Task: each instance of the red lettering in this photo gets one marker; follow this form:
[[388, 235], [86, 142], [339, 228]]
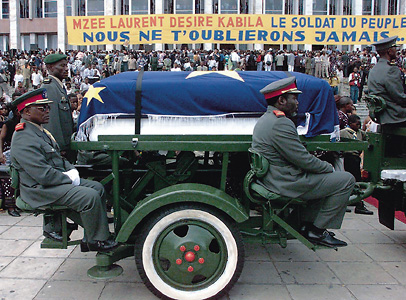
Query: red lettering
[[121, 23], [145, 22], [93, 23], [152, 21], [137, 22], [161, 18], [209, 21], [230, 22], [181, 21], [259, 22], [189, 22], [238, 22], [200, 21], [77, 24], [101, 23], [172, 22], [221, 24], [85, 25], [111, 23]]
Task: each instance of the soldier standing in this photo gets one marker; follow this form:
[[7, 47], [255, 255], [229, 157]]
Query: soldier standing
[[60, 117]]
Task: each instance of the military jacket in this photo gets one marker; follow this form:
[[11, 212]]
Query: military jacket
[[39, 163], [291, 166], [60, 116], [384, 80]]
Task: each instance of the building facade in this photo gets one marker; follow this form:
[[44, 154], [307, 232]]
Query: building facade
[[33, 24]]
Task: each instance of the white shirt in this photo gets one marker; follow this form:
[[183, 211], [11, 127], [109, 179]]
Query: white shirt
[[18, 78], [36, 78]]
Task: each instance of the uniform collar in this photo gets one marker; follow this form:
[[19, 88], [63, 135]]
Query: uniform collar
[[57, 80]]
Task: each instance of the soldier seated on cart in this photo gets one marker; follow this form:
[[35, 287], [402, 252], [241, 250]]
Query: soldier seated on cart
[[47, 178], [294, 172]]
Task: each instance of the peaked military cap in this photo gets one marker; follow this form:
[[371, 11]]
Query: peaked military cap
[[35, 97], [282, 86], [386, 43], [53, 58]]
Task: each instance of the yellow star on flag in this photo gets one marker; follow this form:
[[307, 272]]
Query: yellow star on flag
[[231, 74], [93, 92]]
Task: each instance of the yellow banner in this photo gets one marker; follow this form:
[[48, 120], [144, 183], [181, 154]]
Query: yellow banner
[[234, 29]]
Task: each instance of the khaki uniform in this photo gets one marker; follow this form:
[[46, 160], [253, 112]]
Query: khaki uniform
[[36, 156], [384, 80], [295, 173]]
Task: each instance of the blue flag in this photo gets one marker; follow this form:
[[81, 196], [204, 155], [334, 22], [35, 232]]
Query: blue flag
[[207, 93]]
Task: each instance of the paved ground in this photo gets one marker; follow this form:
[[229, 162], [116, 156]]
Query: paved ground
[[372, 266]]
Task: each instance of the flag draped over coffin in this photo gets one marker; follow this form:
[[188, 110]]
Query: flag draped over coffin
[[206, 93]]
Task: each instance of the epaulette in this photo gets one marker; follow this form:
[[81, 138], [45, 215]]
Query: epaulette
[[47, 80], [279, 113], [391, 63], [20, 126]]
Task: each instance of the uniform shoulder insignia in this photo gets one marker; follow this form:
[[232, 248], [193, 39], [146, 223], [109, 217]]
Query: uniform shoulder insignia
[[20, 126], [391, 63], [47, 80], [279, 113]]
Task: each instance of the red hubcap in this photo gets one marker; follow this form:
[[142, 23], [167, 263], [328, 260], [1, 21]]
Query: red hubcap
[[190, 256]]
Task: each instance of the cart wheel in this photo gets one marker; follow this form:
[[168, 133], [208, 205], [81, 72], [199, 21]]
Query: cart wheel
[[189, 252]]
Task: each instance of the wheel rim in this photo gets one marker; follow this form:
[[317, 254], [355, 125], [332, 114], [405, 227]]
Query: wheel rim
[[189, 255]]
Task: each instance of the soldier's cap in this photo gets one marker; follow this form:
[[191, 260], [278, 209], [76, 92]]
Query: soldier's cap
[[282, 86], [35, 97], [53, 58], [386, 43]]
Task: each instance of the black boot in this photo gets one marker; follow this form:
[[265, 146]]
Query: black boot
[[360, 208]]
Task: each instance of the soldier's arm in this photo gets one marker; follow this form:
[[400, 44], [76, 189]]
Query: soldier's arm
[[287, 143], [32, 158], [394, 87]]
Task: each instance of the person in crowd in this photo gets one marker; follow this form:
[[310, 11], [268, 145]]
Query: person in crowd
[[6, 134], [36, 78], [354, 81], [268, 60], [26, 70], [334, 82], [46, 177], [295, 172], [85, 85], [3, 83], [352, 159], [345, 108], [20, 88]]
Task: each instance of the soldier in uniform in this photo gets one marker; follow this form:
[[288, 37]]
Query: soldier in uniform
[[60, 117], [48, 178], [294, 172], [385, 81]]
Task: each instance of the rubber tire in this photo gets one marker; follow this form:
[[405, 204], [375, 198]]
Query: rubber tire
[[216, 219]]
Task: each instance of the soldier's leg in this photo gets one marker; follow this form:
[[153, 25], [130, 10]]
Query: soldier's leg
[[334, 190], [91, 207]]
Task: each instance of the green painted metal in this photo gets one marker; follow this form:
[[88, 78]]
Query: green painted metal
[[179, 259], [107, 272], [186, 192], [116, 191], [224, 169]]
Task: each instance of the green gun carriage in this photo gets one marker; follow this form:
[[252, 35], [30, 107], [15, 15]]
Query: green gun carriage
[[185, 203]]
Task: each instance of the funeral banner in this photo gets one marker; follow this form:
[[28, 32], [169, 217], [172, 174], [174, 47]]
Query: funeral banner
[[233, 29]]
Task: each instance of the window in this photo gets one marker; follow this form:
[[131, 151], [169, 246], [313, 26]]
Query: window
[[333, 7], [244, 6], [377, 7], [300, 7], [5, 10], [168, 6], [50, 9], [320, 7], [95, 8], [273, 7], [229, 7], [289, 7], [367, 7], [81, 8], [69, 7], [199, 6], [347, 7], [392, 7], [139, 7], [38, 9], [184, 6], [24, 9]]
